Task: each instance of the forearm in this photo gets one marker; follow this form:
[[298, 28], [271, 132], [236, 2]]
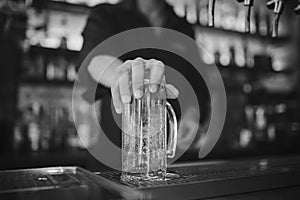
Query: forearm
[[102, 69]]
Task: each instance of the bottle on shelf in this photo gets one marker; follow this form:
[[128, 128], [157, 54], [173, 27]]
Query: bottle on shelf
[[50, 71], [18, 140], [61, 68], [45, 128], [71, 72], [39, 66]]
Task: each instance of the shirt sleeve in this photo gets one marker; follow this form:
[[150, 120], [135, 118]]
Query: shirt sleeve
[[99, 27]]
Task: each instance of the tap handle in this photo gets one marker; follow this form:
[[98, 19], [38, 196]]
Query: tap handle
[[277, 7], [248, 4], [211, 10]]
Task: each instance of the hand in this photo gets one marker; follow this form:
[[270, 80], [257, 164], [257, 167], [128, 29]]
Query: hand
[[186, 8], [129, 80]]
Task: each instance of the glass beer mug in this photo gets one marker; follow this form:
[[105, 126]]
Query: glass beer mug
[[145, 145]]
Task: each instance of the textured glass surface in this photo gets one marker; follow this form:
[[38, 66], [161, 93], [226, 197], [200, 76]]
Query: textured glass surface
[[144, 135]]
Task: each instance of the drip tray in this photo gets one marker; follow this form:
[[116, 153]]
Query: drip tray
[[191, 173]]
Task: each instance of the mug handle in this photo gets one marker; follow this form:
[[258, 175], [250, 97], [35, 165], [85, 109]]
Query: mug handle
[[172, 141]]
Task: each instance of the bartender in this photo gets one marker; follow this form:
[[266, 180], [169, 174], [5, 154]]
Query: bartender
[[115, 86]]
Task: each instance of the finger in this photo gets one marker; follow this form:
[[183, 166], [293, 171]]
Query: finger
[[172, 92], [157, 70], [191, 14], [124, 82], [179, 8], [138, 71], [116, 98]]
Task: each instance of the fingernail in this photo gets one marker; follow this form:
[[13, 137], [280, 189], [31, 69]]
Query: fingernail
[[138, 94], [153, 88], [126, 99], [118, 110]]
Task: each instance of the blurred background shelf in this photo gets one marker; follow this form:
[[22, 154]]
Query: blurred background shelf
[[267, 38], [46, 83], [53, 51], [67, 7]]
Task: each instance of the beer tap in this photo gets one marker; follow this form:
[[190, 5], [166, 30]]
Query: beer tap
[[248, 4], [211, 12], [277, 6]]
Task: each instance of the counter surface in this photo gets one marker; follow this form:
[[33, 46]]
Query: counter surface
[[264, 178]]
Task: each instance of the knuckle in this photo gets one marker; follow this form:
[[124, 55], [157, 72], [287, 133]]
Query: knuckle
[[127, 62], [156, 63], [138, 63], [119, 69], [159, 63], [139, 59], [152, 60]]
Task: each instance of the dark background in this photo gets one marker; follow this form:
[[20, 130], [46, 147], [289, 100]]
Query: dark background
[[39, 47]]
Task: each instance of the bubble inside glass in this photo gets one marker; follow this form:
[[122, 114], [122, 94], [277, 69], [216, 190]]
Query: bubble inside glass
[[144, 136]]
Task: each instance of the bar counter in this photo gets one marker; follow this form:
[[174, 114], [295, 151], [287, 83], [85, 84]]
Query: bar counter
[[255, 178]]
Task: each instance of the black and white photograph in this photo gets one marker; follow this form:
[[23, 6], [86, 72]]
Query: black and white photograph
[[149, 99]]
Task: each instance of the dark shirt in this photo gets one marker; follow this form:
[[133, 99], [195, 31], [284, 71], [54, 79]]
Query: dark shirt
[[106, 20]]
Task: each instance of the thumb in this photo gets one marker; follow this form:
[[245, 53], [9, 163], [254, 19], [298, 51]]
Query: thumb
[[172, 92]]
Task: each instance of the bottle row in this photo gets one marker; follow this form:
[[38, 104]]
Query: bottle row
[[44, 129], [55, 29], [268, 124], [235, 50], [45, 120], [259, 17], [49, 68]]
